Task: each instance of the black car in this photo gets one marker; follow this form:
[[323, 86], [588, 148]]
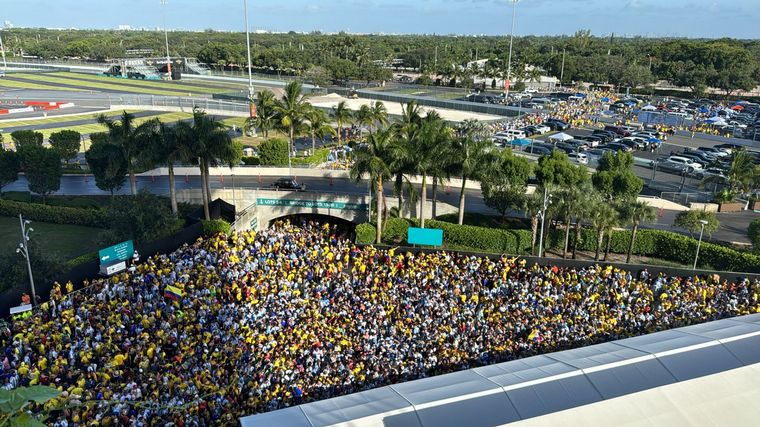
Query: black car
[[605, 135], [288, 184], [556, 124], [530, 130]]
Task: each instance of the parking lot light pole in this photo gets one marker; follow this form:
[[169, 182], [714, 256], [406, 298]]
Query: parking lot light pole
[[166, 39], [248, 47], [23, 248], [543, 218], [701, 232], [2, 49], [509, 60]]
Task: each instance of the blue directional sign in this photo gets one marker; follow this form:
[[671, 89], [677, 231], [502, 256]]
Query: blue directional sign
[[119, 252], [425, 236]]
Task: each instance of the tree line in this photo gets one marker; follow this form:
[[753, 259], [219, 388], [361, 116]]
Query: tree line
[[727, 64]]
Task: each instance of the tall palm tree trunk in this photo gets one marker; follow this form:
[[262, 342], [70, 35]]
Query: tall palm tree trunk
[[172, 189], [567, 237], [434, 212], [313, 144], [577, 236], [204, 195], [461, 202], [533, 233], [133, 182], [633, 242], [340, 132], [400, 188], [599, 240], [207, 175], [423, 200], [379, 201], [609, 245]]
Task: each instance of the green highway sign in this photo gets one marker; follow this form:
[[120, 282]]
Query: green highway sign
[[119, 252], [312, 204]]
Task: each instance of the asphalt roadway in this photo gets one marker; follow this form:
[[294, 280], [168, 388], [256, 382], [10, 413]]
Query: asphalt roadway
[[732, 229]]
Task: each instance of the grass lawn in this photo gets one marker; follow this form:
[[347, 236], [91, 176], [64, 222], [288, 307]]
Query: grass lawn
[[95, 127], [178, 86], [111, 85], [66, 241], [56, 119], [10, 84]]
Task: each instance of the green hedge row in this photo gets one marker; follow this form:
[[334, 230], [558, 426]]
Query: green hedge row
[[55, 214], [216, 226], [651, 243]]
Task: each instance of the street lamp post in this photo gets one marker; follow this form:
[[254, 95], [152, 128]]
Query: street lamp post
[[248, 47], [2, 49], [701, 232], [23, 248], [166, 39], [509, 60], [542, 214]]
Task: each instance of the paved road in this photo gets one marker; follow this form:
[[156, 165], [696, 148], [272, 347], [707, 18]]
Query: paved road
[[10, 128], [733, 226]]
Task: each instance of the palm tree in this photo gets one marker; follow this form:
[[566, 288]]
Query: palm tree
[[318, 126], [132, 140], [172, 144], [603, 217], [363, 117], [567, 205], [471, 151], [586, 201], [291, 111], [379, 114], [533, 204], [266, 114], [341, 114], [637, 213], [212, 146], [741, 173], [411, 114], [374, 159], [432, 137]]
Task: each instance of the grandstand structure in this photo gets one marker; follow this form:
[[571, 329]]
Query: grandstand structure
[[706, 374], [154, 68]]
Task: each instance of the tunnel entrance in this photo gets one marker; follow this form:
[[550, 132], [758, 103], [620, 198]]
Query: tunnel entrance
[[342, 228]]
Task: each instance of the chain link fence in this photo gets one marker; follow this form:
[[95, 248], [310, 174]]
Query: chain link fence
[[182, 103]]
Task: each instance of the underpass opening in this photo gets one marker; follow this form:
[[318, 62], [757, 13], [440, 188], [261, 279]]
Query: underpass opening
[[338, 226]]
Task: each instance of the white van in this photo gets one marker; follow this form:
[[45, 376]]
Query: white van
[[513, 134]]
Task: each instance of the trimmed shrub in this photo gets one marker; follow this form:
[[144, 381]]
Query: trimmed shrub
[[365, 234], [753, 231], [274, 152], [251, 161], [216, 226], [55, 214]]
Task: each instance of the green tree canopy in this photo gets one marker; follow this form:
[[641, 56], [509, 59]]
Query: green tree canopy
[[66, 143], [108, 166]]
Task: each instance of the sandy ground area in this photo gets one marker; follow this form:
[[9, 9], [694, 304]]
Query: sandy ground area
[[394, 108]]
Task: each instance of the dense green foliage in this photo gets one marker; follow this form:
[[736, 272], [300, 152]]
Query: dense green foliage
[[144, 217], [614, 177], [108, 165], [274, 152], [725, 63], [216, 226], [649, 243], [26, 137], [690, 220], [753, 231], [45, 266], [10, 166], [54, 214], [42, 167], [66, 143]]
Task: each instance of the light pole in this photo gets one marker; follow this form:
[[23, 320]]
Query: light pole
[[251, 91], [166, 39], [542, 214], [2, 49], [23, 248], [701, 232], [509, 60]]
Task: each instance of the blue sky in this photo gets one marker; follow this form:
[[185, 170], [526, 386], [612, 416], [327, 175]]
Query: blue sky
[[692, 18]]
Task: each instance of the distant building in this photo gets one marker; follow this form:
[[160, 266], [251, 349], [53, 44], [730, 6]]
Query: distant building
[[8, 24], [124, 28]]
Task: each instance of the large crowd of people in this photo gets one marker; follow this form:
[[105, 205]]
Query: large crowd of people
[[230, 326]]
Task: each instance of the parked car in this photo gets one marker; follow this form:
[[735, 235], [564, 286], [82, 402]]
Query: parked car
[[639, 143], [537, 149], [556, 124], [690, 163], [605, 135], [593, 140], [716, 151], [617, 130], [288, 184], [666, 165], [729, 148], [615, 146], [542, 129], [578, 158]]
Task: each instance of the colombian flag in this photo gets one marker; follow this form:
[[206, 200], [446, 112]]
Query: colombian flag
[[173, 293]]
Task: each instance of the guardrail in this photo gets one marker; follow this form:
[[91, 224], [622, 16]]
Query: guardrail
[[181, 103]]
